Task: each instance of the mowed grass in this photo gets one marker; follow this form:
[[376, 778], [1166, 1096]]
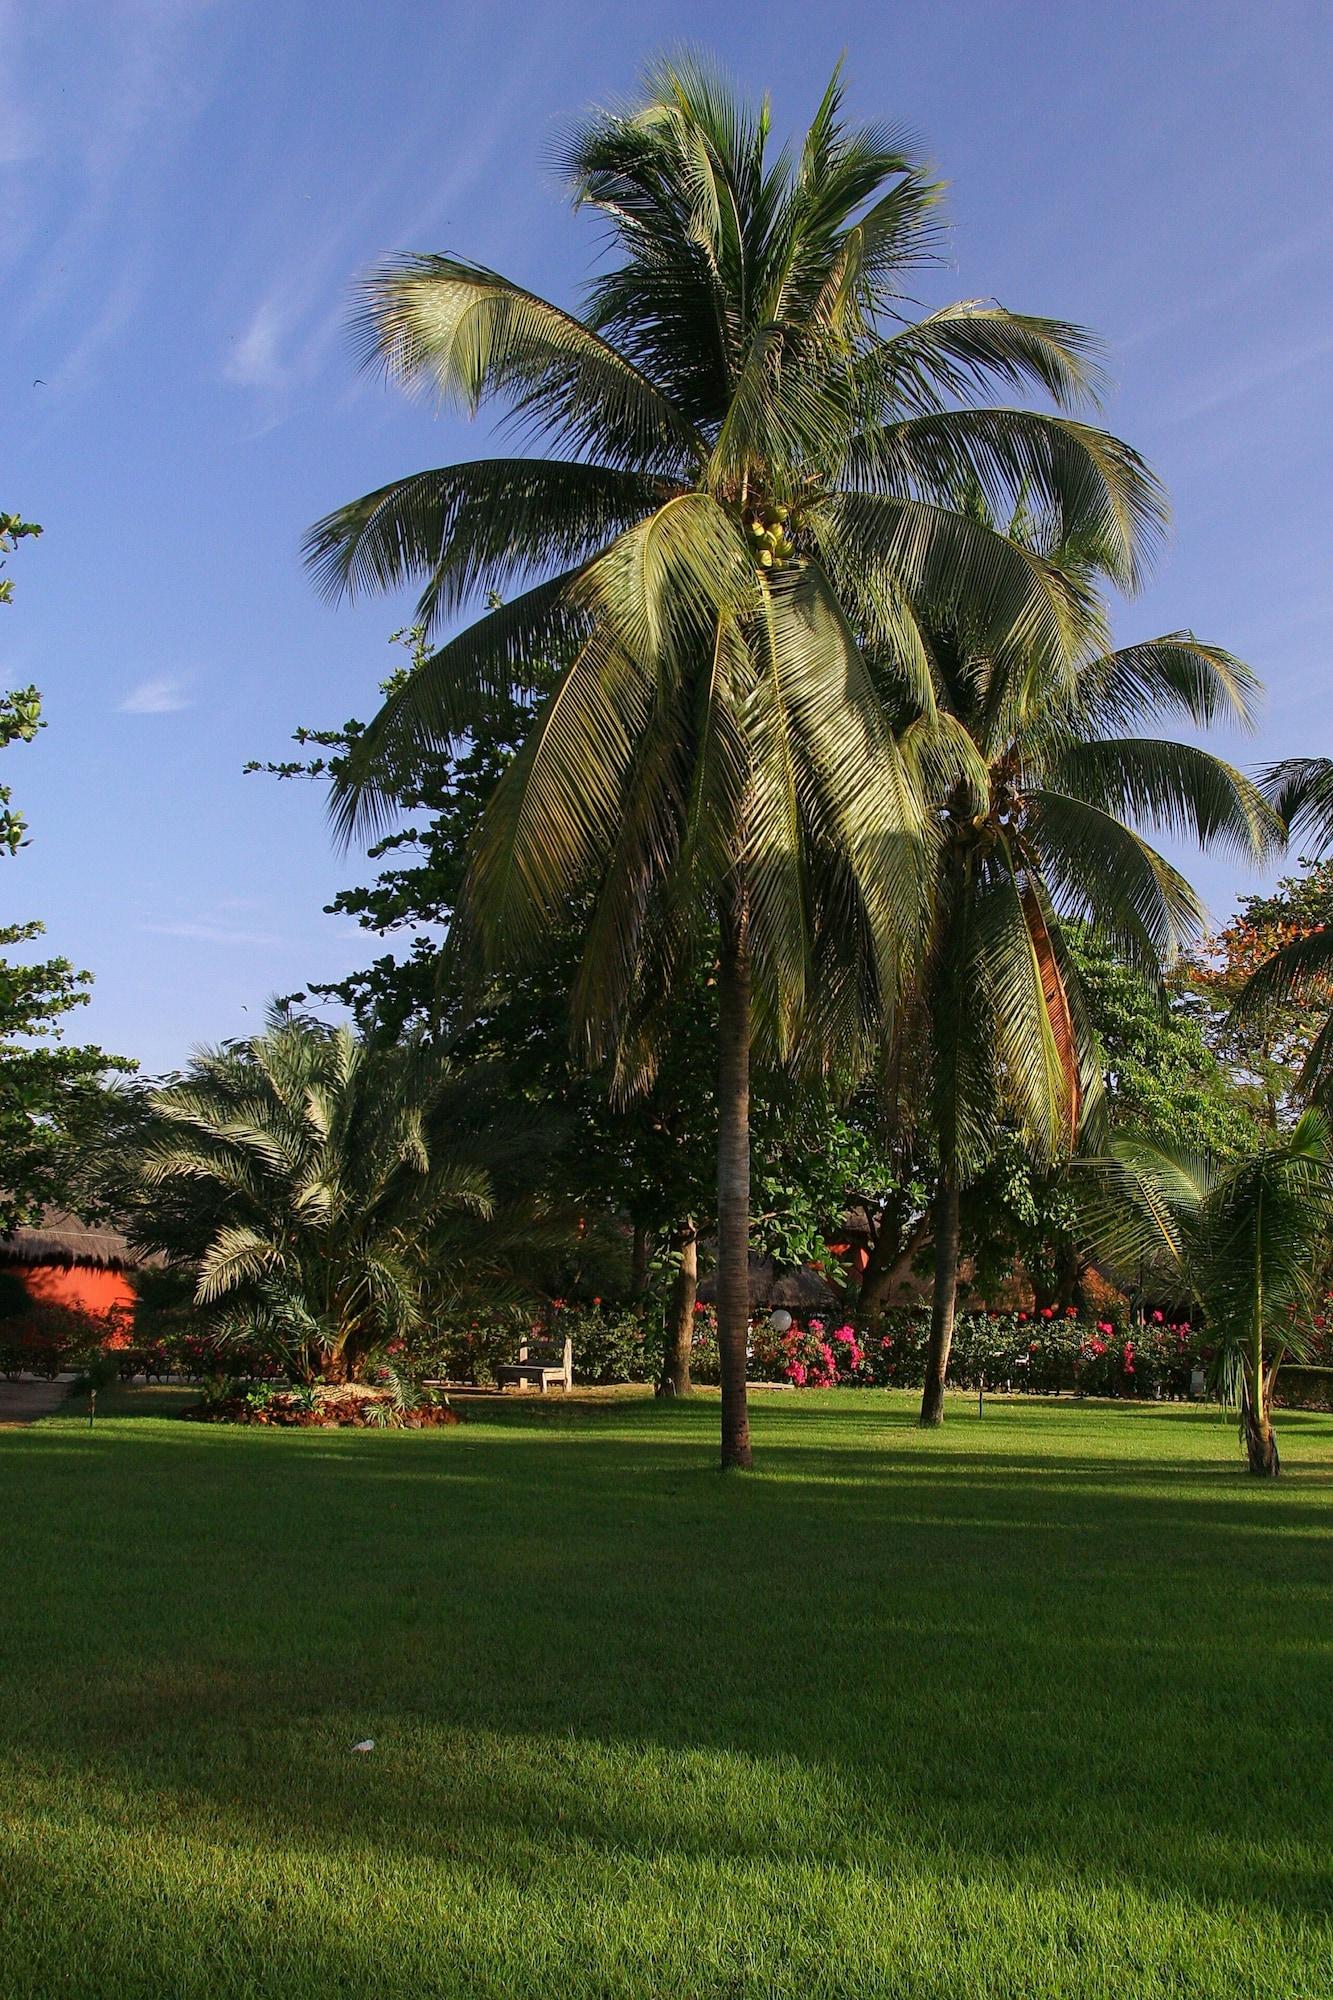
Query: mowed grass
[[1038, 1705]]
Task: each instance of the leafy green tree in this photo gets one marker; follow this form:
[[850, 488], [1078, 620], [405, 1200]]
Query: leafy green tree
[[1042, 826], [1281, 1019], [316, 1179], [1157, 1074], [752, 493], [58, 1113], [21, 710], [55, 1107], [1248, 1237]]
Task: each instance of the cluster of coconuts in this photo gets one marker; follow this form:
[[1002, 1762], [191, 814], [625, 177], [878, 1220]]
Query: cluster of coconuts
[[768, 537]]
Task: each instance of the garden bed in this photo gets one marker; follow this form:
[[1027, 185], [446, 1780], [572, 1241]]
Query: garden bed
[[347, 1405]]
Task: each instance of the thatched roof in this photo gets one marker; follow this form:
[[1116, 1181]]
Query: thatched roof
[[61, 1238], [798, 1291]]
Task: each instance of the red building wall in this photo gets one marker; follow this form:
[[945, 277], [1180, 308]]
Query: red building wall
[[82, 1287]]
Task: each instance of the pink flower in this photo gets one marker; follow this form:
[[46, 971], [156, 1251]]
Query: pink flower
[[796, 1373], [1157, 1319], [1048, 1312], [1071, 1312], [1105, 1326], [816, 1326]]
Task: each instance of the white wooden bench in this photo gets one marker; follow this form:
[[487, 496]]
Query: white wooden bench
[[548, 1363]]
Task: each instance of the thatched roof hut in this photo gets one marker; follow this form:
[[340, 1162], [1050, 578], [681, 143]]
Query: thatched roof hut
[[62, 1240], [801, 1291]]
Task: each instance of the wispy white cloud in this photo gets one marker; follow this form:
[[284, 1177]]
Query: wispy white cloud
[[160, 696], [130, 90], [1308, 245], [1248, 374], [210, 933], [294, 326], [18, 125]]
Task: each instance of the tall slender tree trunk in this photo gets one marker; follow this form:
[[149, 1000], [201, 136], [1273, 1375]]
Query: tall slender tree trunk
[[638, 1269], [943, 1298], [733, 1176], [1256, 1420], [675, 1376]]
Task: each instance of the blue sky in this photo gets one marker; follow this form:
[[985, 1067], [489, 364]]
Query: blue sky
[[189, 190]]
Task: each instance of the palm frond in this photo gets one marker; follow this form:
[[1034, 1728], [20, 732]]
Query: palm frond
[[474, 335], [968, 349], [485, 526], [1015, 602], [505, 655], [1094, 488], [1175, 675], [1175, 786], [1101, 871], [552, 818], [1300, 790]]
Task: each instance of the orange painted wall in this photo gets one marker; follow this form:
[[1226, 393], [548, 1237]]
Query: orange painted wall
[[83, 1289]]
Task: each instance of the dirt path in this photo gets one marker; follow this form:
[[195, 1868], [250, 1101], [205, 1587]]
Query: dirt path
[[23, 1402]]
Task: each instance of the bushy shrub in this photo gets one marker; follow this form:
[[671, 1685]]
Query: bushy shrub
[[48, 1339], [1044, 1352]]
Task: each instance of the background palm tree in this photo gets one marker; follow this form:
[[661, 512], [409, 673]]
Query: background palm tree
[[1301, 789], [755, 457], [317, 1189], [1038, 827], [1248, 1239]]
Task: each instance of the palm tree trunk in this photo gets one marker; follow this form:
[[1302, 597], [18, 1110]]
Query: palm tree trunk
[[1256, 1420], [1260, 1441], [733, 1177], [944, 1297], [675, 1376]]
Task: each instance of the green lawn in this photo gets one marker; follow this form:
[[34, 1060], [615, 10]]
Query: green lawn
[[1038, 1705]]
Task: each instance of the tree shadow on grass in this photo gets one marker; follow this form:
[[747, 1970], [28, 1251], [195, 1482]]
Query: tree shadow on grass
[[1001, 1663]]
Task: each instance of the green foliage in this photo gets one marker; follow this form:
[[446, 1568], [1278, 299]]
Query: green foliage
[[21, 710], [20, 719], [1159, 1072], [322, 1174], [1263, 992], [648, 1159], [1248, 1238], [58, 1117], [716, 739], [56, 1113]]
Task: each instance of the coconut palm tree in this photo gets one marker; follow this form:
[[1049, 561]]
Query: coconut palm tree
[[1042, 825], [746, 461], [1301, 789], [314, 1179], [1247, 1238]]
